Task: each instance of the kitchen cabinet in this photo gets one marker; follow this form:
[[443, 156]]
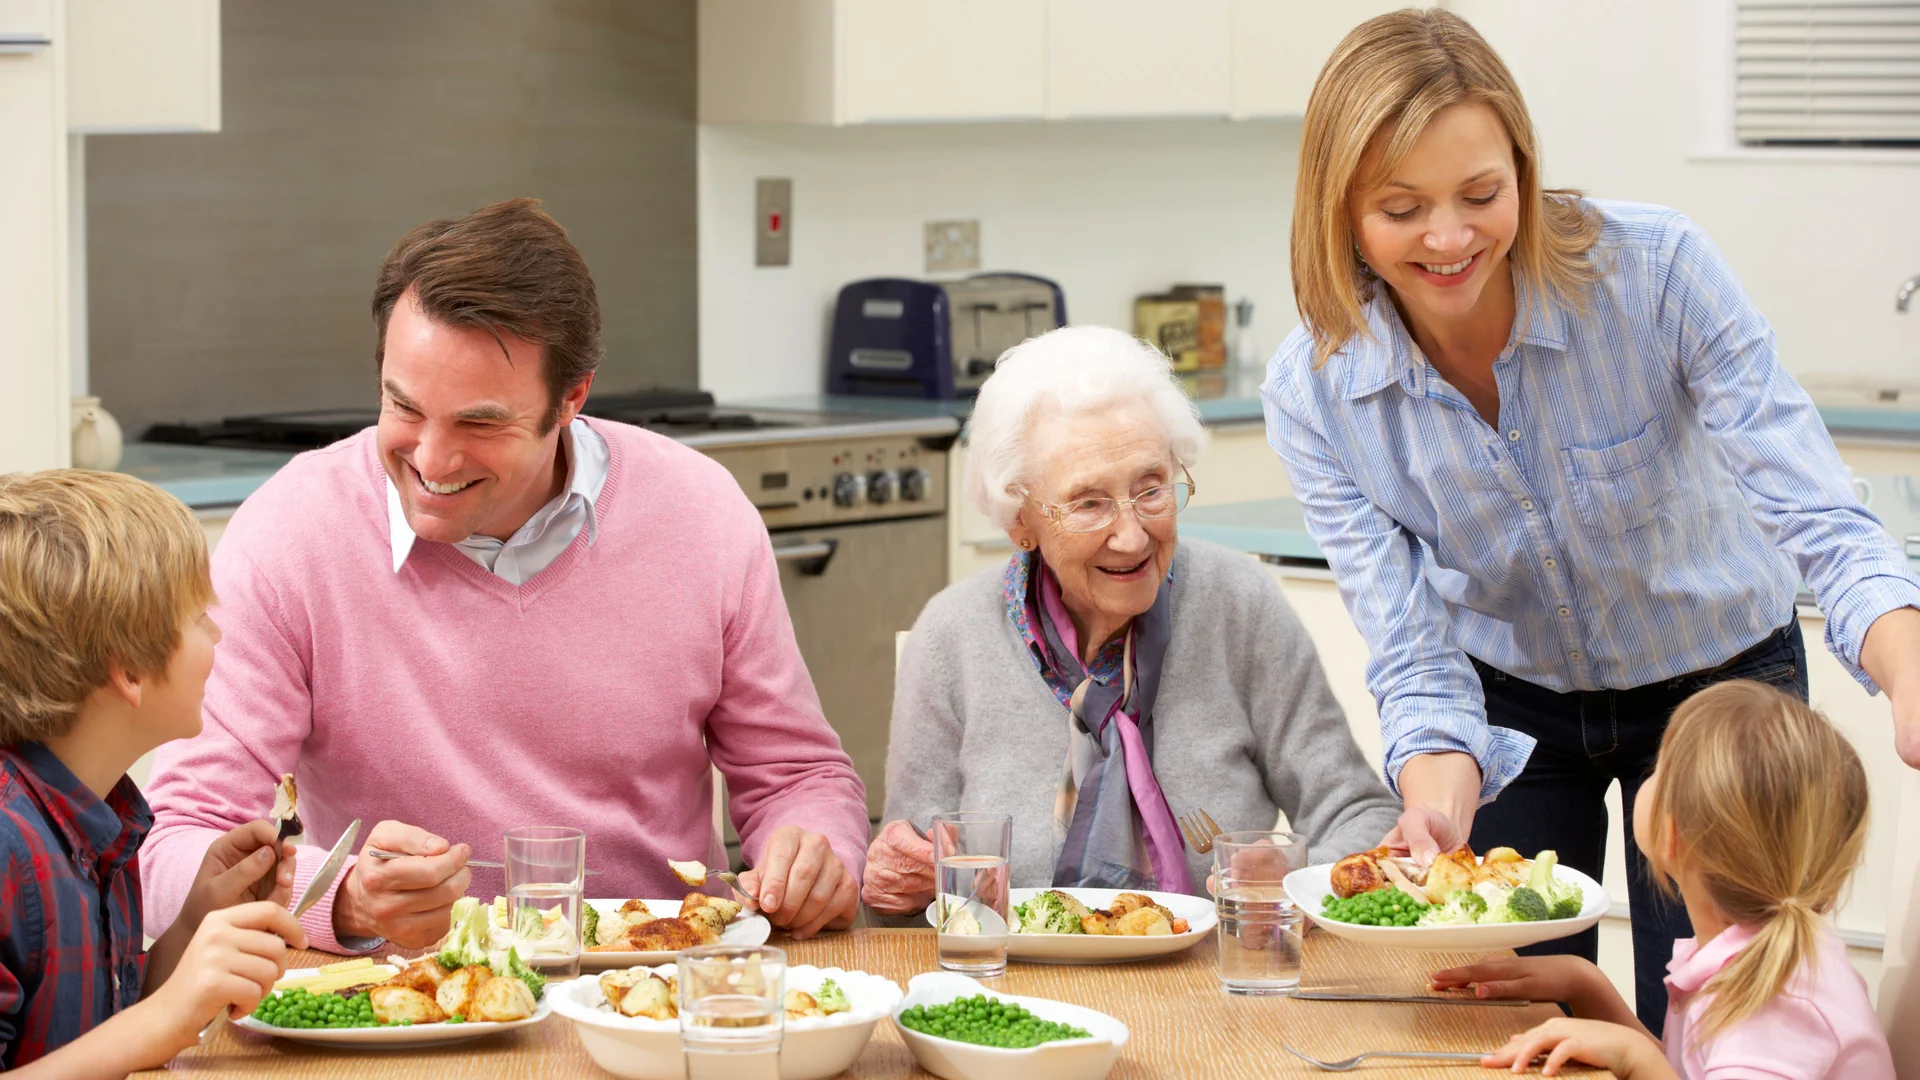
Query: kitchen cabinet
[[941, 60], [26, 21], [34, 392], [869, 61], [1137, 58], [143, 66], [1279, 46], [865, 61]]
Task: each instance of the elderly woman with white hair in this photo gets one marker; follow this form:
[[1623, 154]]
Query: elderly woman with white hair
[[1108, 677]]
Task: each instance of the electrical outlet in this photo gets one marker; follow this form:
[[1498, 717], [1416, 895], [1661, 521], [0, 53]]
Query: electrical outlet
[[772, 221], [952, 246]]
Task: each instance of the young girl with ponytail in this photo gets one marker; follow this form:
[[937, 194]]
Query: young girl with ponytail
[[1755, 815]]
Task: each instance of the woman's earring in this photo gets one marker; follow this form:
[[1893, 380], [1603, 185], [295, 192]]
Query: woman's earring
[[1026, 545]]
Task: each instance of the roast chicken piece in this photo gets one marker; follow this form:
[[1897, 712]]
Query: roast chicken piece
[[500, 1000], [392, 1004], [1359, 873], [1451, 873], [455, 995], [424, 975], [662, 935], [1503, 866]]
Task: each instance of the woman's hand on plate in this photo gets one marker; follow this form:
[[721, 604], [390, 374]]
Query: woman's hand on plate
[[899, 877]]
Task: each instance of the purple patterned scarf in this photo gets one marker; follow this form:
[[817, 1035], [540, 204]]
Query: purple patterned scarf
[[1112, 825]]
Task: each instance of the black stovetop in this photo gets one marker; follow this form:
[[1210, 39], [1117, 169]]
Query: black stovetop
[[669, 412]]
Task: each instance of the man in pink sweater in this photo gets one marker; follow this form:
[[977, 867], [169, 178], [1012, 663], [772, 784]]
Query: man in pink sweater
[[488, 612]]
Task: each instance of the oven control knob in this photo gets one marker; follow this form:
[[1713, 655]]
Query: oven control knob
[[881, 486], [913, 484], [849, 489]]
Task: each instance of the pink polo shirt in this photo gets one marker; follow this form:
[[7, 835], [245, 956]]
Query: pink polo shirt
[[1820, 1026]]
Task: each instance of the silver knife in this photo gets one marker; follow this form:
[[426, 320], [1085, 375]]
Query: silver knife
[[1414, 999], [329, 870]]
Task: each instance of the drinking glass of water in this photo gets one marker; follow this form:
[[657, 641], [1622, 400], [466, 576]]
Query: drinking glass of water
[[546, 866], [970, 852], [732, 1011], [1260, 928]]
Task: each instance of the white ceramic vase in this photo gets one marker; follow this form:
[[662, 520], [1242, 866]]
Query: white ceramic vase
[[97, 441]]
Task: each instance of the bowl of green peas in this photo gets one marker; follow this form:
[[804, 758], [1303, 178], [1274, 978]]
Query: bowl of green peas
[[346, 1019], [960, 1030]]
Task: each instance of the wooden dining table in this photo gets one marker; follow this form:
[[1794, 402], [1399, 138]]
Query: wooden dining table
[[1182, 1025]]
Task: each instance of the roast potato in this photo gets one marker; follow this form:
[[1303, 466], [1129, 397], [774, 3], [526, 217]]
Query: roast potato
[[392, 1004], [501, 1000], [455, 994]]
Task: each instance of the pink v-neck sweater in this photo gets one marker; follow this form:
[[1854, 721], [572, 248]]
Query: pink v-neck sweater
[[595, 695]]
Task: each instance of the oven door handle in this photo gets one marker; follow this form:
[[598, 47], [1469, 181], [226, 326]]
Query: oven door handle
[[811, 557]]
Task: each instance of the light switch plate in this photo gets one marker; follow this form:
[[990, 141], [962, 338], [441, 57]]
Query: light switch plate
[[772, 221], [953, 246]]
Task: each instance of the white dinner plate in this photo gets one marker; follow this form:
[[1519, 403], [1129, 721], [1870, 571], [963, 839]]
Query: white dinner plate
[[1310, 887], [394, 1037], [751, 928], [1103, 948]]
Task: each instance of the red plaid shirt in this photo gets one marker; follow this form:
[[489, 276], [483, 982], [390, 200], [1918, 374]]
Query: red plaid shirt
[[70, 933]]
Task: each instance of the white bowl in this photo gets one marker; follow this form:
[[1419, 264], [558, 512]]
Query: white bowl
[[1309, 888], [813, 1049], [1067, 1059]]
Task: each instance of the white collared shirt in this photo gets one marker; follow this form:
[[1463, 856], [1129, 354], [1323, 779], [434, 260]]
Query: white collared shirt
[[533, 546]]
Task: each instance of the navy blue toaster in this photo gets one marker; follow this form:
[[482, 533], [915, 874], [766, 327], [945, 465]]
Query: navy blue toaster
[[896, 337]]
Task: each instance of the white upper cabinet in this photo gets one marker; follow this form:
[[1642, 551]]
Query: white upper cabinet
[[1279, 47], [942, 60], [1137, 58], [142, 65], [878, 61], [25, 22]]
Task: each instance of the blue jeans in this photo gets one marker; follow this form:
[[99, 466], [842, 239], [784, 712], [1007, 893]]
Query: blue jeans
[[1587, 740]]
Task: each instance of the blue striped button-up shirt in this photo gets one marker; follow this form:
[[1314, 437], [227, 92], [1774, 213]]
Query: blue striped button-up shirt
[[1656, 489]]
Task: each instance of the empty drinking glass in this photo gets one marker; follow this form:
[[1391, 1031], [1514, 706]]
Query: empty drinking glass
[[546, 866], [970, 853], [1260, 928], [732, 1011]]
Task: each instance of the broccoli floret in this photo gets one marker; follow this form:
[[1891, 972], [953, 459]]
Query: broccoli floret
[[589, 925], [508, 965], [832, 999], [466, 942], [1019, 920], [1049, 914], [1462, 908], [1526, 905], [1564, 900]]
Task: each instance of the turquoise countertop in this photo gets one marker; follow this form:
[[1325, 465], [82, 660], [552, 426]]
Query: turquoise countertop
[[1277, 528], [1212, 410], [206, 478], [202, 477]]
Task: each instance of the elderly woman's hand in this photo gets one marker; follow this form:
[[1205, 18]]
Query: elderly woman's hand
[[899, 879]]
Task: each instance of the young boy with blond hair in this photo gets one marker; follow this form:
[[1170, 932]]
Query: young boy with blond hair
[[105, 646]]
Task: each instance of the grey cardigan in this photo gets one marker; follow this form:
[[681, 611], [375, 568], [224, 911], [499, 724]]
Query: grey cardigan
[[1244, 725]]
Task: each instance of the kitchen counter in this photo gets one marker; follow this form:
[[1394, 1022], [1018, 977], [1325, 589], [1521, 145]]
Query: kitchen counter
[[205, 478], [208, 478], [1276, 529], [1226, 410]]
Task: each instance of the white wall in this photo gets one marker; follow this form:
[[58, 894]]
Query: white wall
[[1108, 209], [1621, 98]]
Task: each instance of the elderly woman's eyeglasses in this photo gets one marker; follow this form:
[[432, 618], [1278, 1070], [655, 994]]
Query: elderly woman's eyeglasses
[[1097, 512]]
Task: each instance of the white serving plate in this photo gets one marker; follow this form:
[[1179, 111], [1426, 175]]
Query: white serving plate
[[1068, 1059], [1101, 948], [636, 1048], [394, 1037], [751, 928], [1310, 886]]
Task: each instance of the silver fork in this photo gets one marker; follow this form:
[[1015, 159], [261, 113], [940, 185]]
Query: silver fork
[[1352, 1063], [1198, 828]]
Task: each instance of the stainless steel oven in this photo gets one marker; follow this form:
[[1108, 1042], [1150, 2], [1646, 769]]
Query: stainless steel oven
[[857, 515]]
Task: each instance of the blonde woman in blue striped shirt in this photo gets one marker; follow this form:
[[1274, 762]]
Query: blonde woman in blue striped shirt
[[1549, 450]]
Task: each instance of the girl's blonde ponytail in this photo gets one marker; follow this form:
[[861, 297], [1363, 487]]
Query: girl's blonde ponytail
[[1770, 803]]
